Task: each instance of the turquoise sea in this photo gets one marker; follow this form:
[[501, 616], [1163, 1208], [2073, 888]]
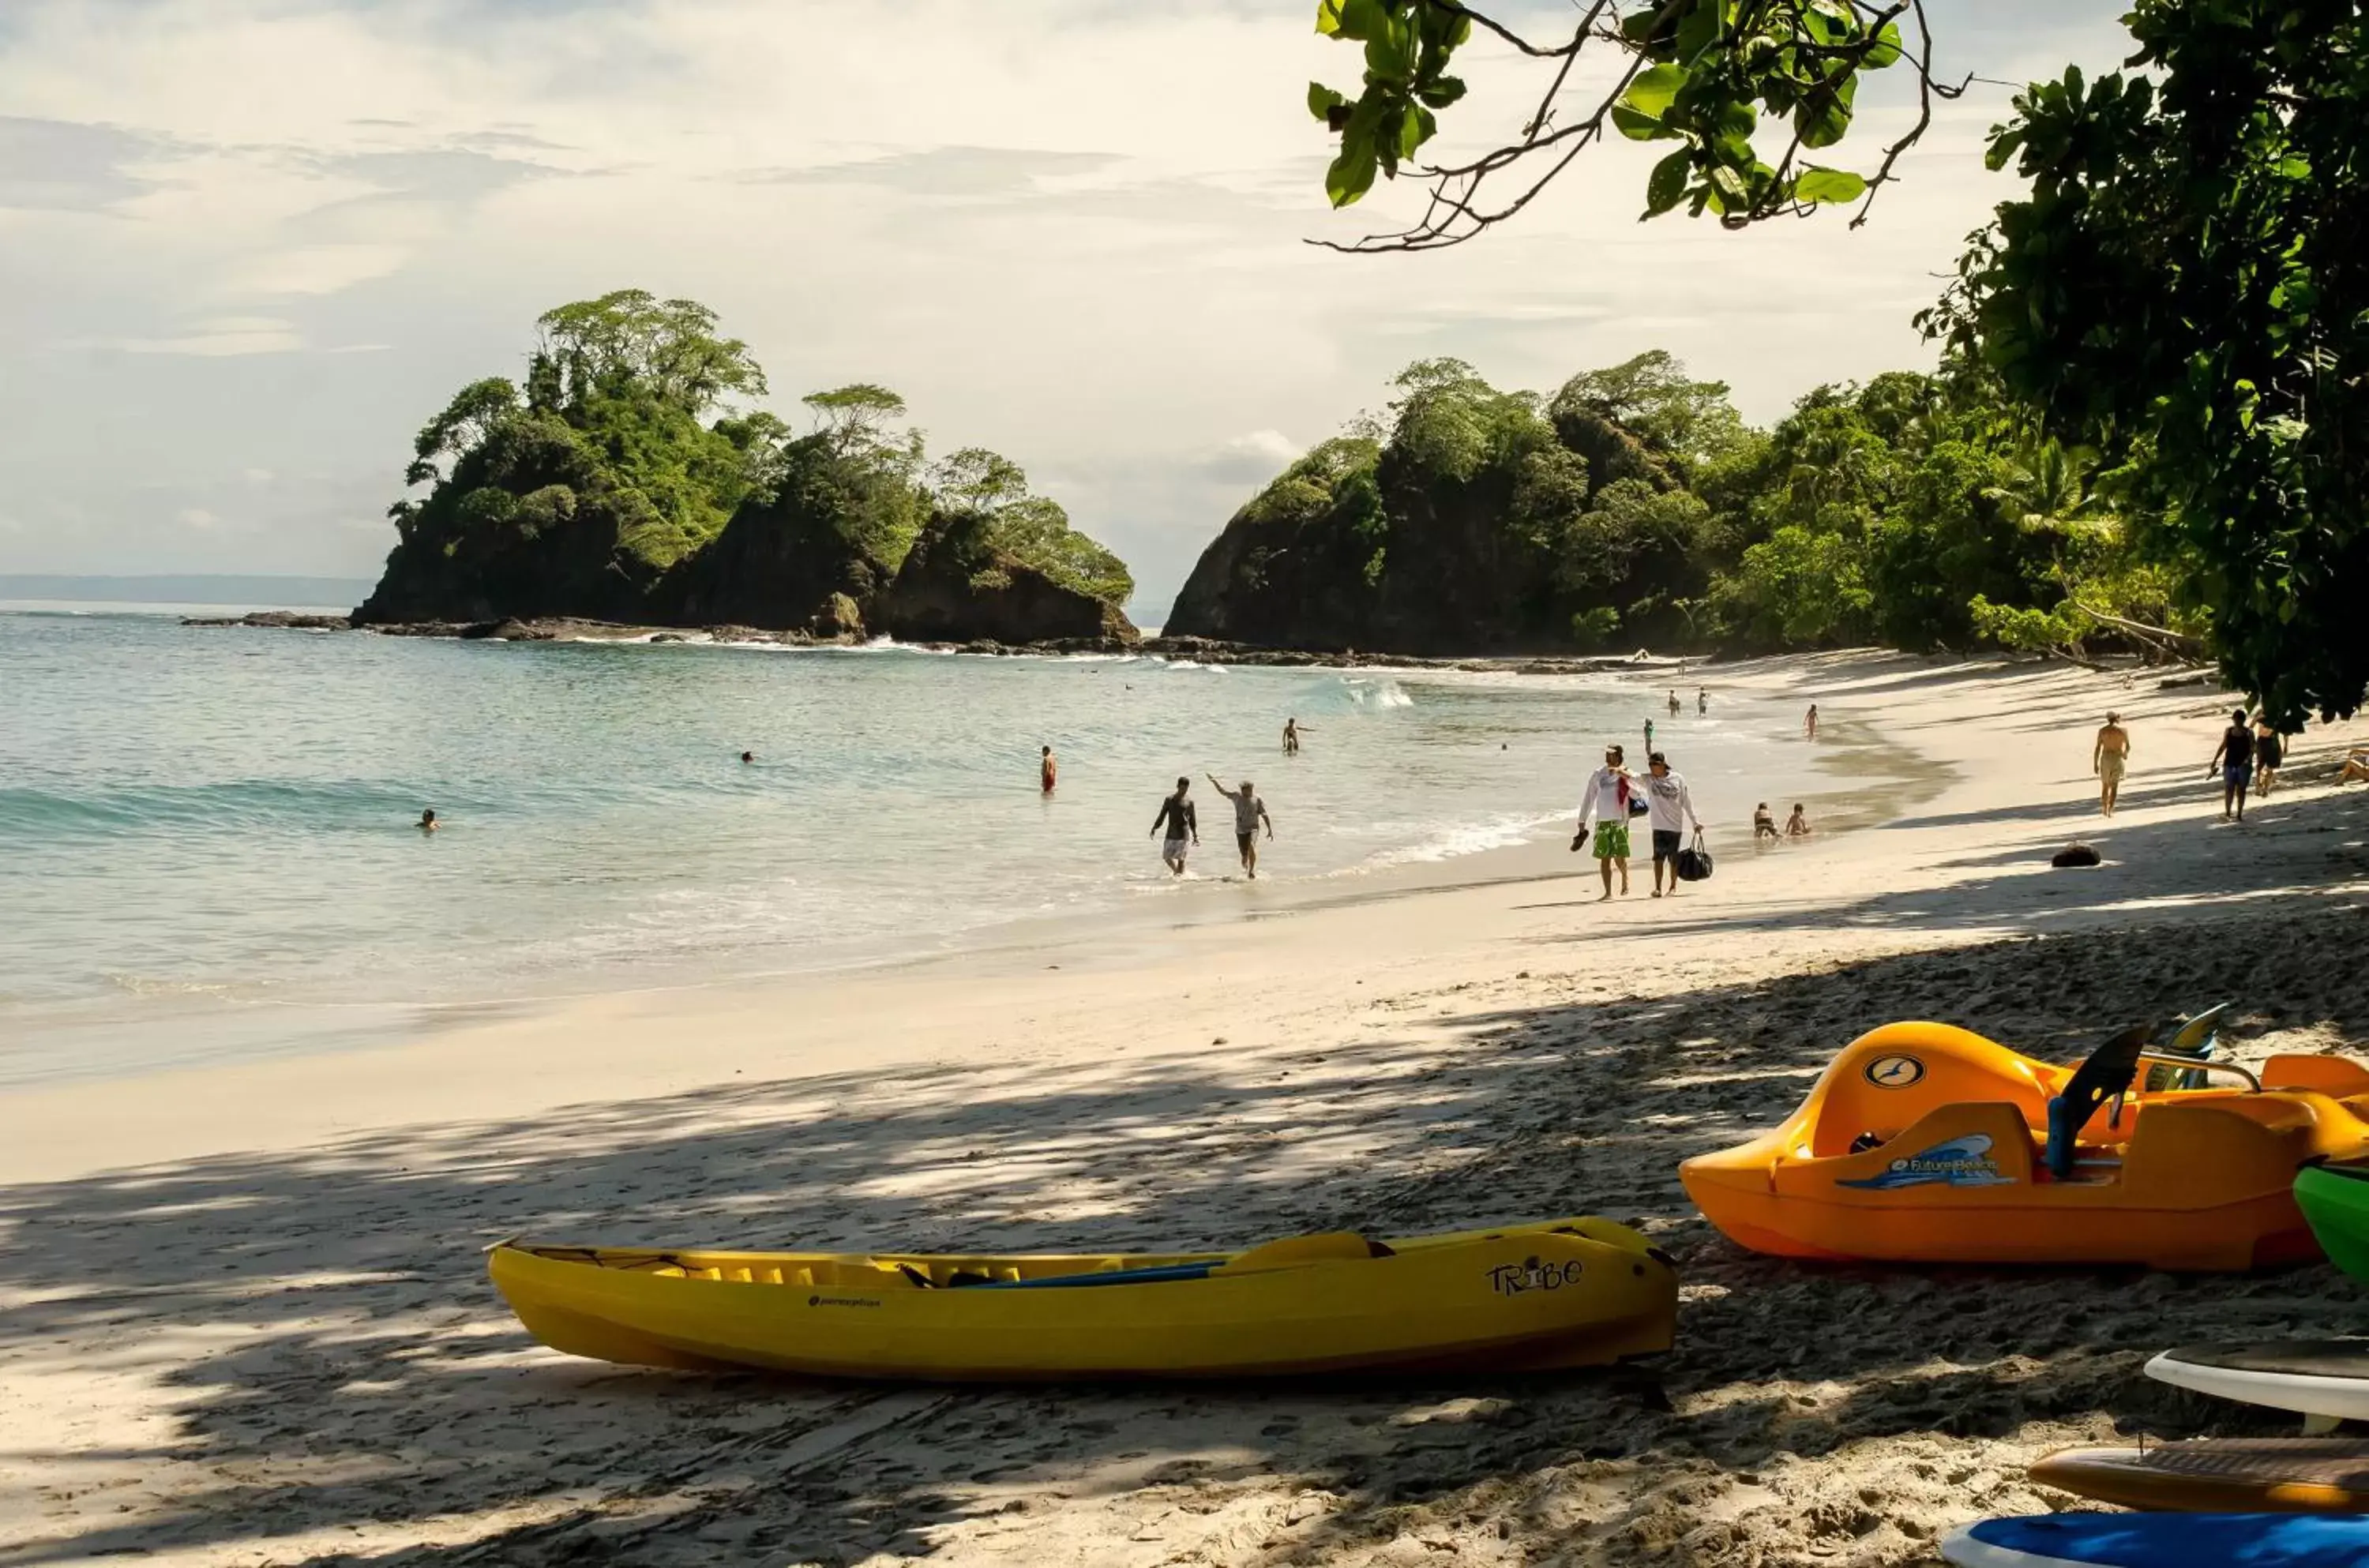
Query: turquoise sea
[[207, 843]]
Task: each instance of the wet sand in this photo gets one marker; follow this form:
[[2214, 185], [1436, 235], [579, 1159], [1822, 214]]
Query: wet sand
[[242, 1319]]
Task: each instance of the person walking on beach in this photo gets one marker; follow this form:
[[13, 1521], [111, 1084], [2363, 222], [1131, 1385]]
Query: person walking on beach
[[1649, 737], [1702, 702], [1609, 793], [1797, 826], [1810, 723], [1669, 809], [1048, 772], [2269, 753], [2109, 760], [1184, 826], [1764, 823], [1249, 811], [2234, 758]]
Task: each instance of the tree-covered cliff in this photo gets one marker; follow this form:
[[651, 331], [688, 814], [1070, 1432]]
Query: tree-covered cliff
[[635, 477], [1635, 508]]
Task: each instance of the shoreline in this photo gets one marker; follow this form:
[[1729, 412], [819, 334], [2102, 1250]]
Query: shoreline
[[244, 1320], [1204, 650], [1122, 924]]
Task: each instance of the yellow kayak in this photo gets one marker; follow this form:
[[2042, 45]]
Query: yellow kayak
[[1563, 1293]]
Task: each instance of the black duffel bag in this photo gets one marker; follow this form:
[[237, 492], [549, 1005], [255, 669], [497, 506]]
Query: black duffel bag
[[1694, 861]]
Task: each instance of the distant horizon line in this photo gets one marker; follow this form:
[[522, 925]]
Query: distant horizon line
[[174, 588]]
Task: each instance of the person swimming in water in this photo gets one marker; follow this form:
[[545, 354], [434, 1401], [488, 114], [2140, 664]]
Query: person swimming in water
[[748, 756], [427, 821]]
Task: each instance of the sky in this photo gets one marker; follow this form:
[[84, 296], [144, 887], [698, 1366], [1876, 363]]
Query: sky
[[247, 247]]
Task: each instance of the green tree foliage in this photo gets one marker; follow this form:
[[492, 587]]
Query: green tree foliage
[[629, 340], [1746, 94], [976, 483], [601, 487], [2187, 289], [1635, 508], [1467, 519]]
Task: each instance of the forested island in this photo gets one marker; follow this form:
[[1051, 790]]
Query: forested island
[[634, 479], [1635, 508]]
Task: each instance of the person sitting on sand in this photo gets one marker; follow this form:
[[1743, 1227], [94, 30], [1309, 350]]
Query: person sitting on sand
[[1177, 816], [427, 821], [2268, 754], [2355, 769], [1609, 792], [2235, 760], [1797, 826], [1764, 825], [2110, 759], [1249, 812]]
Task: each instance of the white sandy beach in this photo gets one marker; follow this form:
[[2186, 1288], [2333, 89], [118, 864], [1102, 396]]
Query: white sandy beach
[[243, 1320]]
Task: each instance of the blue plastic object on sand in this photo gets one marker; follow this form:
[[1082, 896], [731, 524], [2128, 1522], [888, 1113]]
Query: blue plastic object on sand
[[2163, 1541]]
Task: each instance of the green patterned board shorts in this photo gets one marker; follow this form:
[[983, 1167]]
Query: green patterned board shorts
[[1612, 841]]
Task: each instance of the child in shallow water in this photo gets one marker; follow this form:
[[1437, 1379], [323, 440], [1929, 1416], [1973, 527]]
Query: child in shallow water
[[1798, 825], [1764, 826]]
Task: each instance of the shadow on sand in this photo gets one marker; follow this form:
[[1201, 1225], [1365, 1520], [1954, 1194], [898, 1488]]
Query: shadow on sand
[[340, 1378]]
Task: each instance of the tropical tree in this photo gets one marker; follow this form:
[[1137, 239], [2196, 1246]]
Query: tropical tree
[[2188, 283], [1746, 94]]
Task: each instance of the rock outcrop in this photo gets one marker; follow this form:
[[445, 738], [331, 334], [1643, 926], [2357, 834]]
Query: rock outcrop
[[956, 587]]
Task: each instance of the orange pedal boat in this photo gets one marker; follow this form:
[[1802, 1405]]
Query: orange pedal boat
[[1927, 1143]]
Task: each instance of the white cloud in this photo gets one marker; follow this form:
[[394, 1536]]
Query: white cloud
[[195, 516], [1066, 229], [218, 338]]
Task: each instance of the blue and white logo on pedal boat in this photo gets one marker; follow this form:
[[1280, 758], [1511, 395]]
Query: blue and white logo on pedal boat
[[1961, 1162]]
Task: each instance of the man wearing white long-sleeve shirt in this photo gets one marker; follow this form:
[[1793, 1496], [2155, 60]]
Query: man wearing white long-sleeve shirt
[[1609, 790], [1670, 809]]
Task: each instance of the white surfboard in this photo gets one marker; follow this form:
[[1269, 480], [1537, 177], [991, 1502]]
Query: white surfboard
[[2325, 1378]]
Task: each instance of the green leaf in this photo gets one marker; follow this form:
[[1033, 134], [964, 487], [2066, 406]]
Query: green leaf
[[1362, 20], [1730, 193], [2002, 148], [1323, 100], [1352, 173], [1638, 127], [1389, 53], [1821, 121], [1828, 185], [1328, 17], [1652, 92], [1443, 92], [1667, 185], [1886, 50], [1700, 28], [1415, 130]]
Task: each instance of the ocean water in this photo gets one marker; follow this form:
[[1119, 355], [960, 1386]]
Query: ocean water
[[207, 842]]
